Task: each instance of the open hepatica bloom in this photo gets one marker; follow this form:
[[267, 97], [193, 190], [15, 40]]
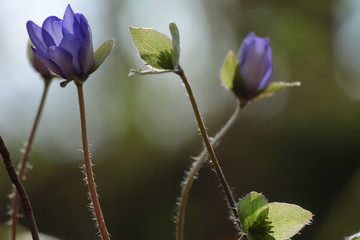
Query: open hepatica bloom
[[64, 45], [255, 66]]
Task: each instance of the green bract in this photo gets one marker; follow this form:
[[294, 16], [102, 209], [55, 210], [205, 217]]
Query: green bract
[[272, 88], [230, 71], [156, 50], [102, 53], [261, 220], [99, 57]]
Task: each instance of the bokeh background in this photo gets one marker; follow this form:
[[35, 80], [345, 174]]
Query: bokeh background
[[300, 146]]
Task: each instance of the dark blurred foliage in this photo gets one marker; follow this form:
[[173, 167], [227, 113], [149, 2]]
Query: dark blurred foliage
[[305, 151]]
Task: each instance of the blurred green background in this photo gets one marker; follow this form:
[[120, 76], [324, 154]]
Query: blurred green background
[[300, 146]]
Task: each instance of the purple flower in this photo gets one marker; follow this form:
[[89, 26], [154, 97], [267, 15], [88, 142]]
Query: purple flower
[[255, 63], [64, 45]]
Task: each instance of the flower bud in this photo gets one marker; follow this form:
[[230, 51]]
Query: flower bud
[[38, 65], [255, 66]]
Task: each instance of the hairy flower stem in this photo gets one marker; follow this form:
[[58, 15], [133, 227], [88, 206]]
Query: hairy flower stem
[[88, 167], [210, 149], [24, 161], [195, 167], [20, 189]]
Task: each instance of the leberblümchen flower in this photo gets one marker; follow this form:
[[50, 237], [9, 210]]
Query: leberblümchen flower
[[64, 45]]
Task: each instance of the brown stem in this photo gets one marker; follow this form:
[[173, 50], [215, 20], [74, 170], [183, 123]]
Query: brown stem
[[20, 189], [25, 160], [88, 167], [210, 149], [195, 167]]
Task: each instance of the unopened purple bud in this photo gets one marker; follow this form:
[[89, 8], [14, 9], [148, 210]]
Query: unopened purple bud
[[255, 64], [64, 45], [38, 65]]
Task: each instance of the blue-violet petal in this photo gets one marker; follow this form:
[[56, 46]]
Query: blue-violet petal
[[68, 21], [36, 37], [53, 25], [63, 59]]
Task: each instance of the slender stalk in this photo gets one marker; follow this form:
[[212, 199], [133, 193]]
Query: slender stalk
[[210, 149], [20, 189], [195, 167], [25, 160], [88, 167]]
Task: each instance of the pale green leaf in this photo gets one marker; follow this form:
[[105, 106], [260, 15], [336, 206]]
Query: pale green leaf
[[102, 53], [134, 72], [253, 209], [287, 219], [276, 86], [356, 236], [154, 48], [229, 70], [176, 43]]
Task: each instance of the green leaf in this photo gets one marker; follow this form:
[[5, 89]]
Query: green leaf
[[260, 231], [229, 70], [253, 209], [102, 53], [287, 219], [176, 43], [155, 49], [274, 87]]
